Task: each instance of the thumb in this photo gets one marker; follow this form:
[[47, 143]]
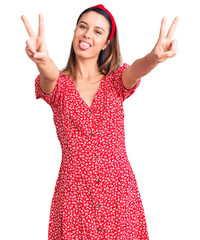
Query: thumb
[[40, 55]]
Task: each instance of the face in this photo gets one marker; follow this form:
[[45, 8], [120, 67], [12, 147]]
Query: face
[[92, 28]]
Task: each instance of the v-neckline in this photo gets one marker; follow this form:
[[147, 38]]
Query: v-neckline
[[95, 97]]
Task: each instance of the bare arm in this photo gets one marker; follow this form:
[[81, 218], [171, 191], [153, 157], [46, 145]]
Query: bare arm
[[37, 51], [49, 75], [165, 48], [138, 69]]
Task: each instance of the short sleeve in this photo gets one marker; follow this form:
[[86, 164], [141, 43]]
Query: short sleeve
[[54, 96], [118, 84]]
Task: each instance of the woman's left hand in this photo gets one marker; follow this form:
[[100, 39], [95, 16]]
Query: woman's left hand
[[165, 47]]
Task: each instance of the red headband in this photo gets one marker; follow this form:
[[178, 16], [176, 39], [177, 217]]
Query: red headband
[[111, 17]]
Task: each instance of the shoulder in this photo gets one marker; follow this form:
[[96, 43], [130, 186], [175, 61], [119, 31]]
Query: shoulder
[[119, 70], [65, 77], [63, 80]]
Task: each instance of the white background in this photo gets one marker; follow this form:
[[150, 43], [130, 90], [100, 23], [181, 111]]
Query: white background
[[161, 117]]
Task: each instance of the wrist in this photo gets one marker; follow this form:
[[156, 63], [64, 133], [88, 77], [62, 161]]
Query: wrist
[[44, 61], [151, 59]]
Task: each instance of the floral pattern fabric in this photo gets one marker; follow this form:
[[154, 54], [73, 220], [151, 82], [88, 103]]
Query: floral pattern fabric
[[96, 196]]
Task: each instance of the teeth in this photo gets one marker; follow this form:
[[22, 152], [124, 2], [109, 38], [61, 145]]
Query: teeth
[[86, 44]]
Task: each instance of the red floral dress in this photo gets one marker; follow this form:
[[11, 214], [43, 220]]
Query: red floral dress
[[96, 195]]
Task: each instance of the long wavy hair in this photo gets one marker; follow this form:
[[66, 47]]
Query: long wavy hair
[[109, 59]]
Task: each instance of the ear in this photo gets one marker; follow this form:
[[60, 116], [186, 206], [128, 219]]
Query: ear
[[105, 46]]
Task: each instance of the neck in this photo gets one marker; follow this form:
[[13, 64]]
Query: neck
[[87, 69]]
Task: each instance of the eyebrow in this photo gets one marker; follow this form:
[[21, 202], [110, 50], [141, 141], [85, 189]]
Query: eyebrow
[[95, 26]]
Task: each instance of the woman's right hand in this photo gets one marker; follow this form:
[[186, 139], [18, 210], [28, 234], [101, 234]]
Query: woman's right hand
[[36, 47]]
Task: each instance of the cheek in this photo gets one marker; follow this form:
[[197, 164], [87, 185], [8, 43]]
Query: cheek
[[100, 43], [77, 33], [75, 37]]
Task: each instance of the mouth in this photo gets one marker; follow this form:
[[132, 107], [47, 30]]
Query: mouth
[[84, 45]]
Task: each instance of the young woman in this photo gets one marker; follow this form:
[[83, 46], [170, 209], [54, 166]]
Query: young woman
[[96, 194]]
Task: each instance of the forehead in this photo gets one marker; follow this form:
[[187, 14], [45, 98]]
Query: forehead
[[95, 19]]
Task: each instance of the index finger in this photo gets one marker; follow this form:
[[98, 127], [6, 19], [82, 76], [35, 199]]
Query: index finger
[[172, 28], [28, 26]]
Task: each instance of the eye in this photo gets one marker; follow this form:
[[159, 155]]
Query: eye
[[98, 32], [82, 26]]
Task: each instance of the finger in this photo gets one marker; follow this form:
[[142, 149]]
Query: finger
[[28, 26], [174, 45], [162, 28], [40, 55], [172, 28], [168, 54], [27, 49], [30, 46], [29, 53], [41, 26]]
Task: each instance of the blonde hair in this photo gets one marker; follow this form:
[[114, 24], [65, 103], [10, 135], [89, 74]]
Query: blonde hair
[[109, 59]]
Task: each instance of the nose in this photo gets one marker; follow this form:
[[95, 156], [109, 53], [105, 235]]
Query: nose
[[88, 33]]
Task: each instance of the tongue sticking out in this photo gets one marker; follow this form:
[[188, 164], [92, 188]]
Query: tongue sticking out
[[84, 45]]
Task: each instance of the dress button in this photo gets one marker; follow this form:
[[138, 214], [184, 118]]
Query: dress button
[[90, 112], [98, 205], [92, 132], [97, 180], [99, 229], [95, 156]]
